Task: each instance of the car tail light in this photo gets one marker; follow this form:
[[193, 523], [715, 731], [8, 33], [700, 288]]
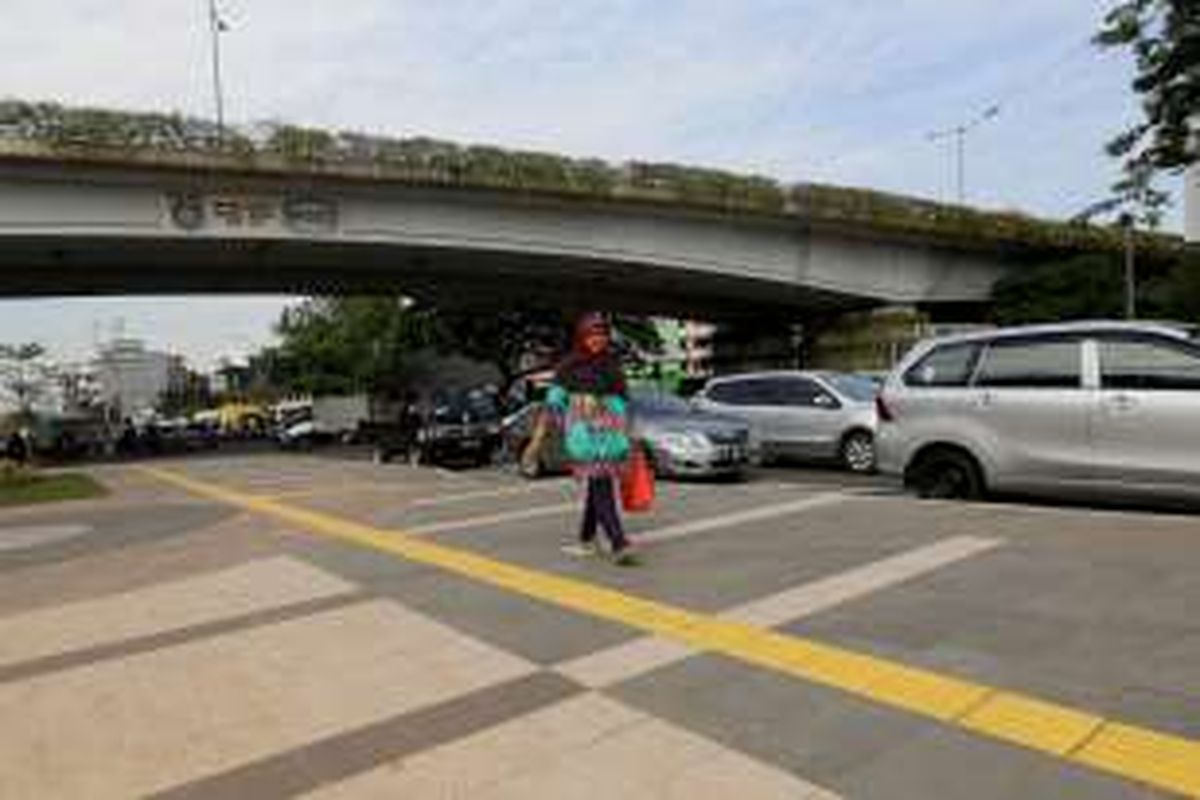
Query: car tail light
[[882, 411]]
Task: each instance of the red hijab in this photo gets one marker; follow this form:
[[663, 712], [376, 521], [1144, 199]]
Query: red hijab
[[586, 372]]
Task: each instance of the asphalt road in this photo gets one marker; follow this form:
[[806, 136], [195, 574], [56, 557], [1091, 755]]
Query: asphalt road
[[270, 625]]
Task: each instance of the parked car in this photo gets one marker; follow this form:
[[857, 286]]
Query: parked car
[[1094, 407], [824, 416], [681, 439], [462, 426]]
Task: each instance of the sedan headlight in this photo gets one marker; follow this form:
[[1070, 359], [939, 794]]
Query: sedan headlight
[[690, 442]]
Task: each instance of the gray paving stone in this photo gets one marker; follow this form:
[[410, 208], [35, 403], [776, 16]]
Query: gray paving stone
[[111, 529], [536, 631], [715, 570], [949, 764], [808, 730]]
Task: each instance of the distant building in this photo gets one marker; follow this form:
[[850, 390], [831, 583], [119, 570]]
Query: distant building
[[133, 379], [697, 346], [685, 353]]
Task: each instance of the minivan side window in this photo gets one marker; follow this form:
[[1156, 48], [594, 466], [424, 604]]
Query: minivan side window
[[1031, 364], [1149, 364], [947, 365]]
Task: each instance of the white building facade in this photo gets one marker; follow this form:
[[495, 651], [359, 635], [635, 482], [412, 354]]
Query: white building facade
[[132, 379]]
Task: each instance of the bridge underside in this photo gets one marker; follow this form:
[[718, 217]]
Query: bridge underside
[[111, 265]]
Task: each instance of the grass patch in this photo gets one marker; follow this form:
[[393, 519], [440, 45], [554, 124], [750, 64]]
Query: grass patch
[[24, 488]]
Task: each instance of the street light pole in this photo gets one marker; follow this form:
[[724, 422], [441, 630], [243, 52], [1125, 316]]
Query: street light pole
[[216, 28], [959, 133]]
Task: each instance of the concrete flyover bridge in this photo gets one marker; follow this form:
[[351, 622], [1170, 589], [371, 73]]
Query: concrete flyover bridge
[[95, 202]]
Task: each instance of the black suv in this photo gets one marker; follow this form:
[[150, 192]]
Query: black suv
[[463, 427]]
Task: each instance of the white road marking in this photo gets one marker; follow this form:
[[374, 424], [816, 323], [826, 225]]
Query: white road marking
[[27, 536], [825, 593], [481, 494], [744, 517], [620, 663], [657, 535], [490, 519]]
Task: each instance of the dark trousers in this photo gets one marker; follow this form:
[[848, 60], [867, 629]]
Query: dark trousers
[[601, 509]]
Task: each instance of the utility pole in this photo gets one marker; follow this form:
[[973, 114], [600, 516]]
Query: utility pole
[[217, 26], [1127, 223], [959, 134]]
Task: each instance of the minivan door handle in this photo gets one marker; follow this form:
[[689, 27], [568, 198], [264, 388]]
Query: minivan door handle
[[985, 399], [1122, 402]]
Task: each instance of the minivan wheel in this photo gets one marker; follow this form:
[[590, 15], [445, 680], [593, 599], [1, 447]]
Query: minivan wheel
[[858, 452], [947, 475]]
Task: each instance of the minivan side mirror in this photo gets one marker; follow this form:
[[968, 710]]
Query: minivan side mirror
[[823, 400]]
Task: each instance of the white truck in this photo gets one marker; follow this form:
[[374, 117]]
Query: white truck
[[325, 419]]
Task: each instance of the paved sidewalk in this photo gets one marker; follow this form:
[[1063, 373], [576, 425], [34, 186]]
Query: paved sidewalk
[[279, 644]]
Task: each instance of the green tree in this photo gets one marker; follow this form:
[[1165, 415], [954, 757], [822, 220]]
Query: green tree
[[504, 338], [1164, 36], [347, 344], [25, 375], [500, 338], [1176, 295], [1087, 287], [1093, 287]]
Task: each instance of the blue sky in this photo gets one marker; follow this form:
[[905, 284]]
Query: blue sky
[[840, 92]]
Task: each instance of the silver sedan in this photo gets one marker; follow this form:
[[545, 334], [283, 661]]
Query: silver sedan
[[808, 415]]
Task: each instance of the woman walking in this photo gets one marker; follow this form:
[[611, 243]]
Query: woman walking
[[589, 402]]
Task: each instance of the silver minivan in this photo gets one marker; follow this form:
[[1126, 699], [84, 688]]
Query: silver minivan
[[809, 415], [1090, 407]]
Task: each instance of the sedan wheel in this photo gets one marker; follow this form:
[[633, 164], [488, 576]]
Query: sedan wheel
[[858, 452]]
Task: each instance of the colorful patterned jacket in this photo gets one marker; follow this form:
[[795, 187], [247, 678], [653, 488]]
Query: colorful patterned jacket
[[595, 430]]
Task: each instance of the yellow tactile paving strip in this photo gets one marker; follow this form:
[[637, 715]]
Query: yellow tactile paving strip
[[1167, 762]]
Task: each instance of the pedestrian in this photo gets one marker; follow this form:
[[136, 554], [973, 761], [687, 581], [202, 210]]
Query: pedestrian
[[589, 402], [18, 448]]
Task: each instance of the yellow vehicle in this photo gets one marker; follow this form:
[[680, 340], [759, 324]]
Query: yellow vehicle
[[243, 419]]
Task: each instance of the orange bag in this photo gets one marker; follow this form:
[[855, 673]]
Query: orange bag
[[637, 485]]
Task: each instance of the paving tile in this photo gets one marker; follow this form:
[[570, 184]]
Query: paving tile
[[244, 589], [383, 759], [536, 631], [470, 766], [950, 764], [795, 726], [149, 722], [112, 527]]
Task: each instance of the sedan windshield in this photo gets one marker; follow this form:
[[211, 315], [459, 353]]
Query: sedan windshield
[[475, 407]]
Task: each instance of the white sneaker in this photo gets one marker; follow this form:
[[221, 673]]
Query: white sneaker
[[580, 549]]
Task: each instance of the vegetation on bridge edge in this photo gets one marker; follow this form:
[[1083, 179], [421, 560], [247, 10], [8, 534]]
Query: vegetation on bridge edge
[[168, 139]]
